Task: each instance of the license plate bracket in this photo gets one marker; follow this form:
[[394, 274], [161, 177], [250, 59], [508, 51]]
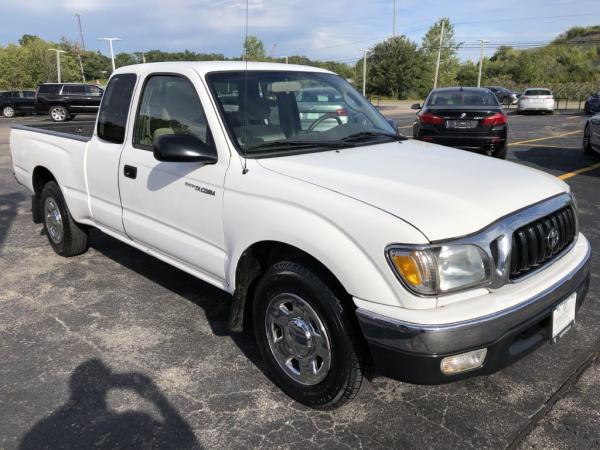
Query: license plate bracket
[[460, 124], [563, 316]]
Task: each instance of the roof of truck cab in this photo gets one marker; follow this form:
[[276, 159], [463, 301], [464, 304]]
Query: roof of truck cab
[[204, 67]]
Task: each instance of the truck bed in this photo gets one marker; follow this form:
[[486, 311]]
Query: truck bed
[[80, 130]]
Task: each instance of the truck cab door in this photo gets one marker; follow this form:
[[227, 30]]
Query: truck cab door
[[104, 152], [175, 208]]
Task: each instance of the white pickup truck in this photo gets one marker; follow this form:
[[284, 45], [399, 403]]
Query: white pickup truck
[[341, 242]]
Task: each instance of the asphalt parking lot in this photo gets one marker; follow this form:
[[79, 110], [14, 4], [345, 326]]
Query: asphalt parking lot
[[121, 347]]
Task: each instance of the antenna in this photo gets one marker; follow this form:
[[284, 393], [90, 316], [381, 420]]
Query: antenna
[[245, 169]]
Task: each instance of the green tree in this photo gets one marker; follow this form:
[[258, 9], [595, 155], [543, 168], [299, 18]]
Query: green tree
[[394, 68], [449, 62], [254, 49]]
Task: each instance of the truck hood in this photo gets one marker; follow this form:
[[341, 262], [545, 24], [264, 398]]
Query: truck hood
[[442, 191]]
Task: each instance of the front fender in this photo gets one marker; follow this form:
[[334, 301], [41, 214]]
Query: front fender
[[346, 236]]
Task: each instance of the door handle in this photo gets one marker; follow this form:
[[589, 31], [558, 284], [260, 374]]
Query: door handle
[[130, 171]]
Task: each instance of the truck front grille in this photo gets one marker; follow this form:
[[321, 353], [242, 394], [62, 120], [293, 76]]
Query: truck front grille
[[538, 243]]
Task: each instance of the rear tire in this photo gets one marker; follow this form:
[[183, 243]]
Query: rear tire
[[58, 113], [67, 237], [308, 337], [587, 141], [8, 111], [500, 152]]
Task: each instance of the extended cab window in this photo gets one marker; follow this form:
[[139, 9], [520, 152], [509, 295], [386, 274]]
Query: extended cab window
[[169, 105], [114, 109]]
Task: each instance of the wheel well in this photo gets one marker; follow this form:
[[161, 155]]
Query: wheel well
[[40, 177], [255, 260]]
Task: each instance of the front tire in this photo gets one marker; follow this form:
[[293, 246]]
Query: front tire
[[67, 237], [308, 337], [8, 111], [58, 113]]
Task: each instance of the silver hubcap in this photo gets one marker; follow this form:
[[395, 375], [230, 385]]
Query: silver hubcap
[[58, 113], [54, 223], [8, 111], [298, 339]]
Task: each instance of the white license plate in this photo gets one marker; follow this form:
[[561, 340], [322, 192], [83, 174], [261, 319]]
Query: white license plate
[[563, 316], [461, 124]]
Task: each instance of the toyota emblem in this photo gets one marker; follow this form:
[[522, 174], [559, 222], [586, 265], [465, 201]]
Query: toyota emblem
[[552, 238]]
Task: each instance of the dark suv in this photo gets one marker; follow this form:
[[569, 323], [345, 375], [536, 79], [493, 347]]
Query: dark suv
[[63, 100], [17, 102]]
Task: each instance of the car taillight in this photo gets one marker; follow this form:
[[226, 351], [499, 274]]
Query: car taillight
[[342, 112], [496, 119], [427, 117]]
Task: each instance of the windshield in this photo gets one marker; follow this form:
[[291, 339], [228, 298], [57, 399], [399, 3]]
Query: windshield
[[287, 111], [461, 97]]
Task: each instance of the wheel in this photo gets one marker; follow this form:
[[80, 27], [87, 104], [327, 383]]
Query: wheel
[[307, 337], [67, 237], [8, 111], [587, 141], [59, 113], [500, 152]]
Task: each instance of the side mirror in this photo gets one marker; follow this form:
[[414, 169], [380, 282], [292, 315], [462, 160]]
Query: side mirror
[[183, 148], [416, 106]]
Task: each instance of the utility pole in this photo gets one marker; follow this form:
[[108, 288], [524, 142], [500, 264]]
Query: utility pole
[[483, 41], [81, 67], [58, 52], [143, 57], [110, 44], [286, 60], [439, 55], [78, 15], [394, 21], [364, 90]]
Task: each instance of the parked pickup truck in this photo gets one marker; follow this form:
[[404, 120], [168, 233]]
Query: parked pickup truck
[[341, 245]]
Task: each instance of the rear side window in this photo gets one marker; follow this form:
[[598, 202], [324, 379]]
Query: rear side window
[[49, 88], [537, 92], [28, 94], [74, 89], [112, 117], [93, 90], [169, 105]]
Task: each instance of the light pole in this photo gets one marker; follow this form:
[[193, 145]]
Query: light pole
[[58, 52], [110, 44], [439, 55], [364, 90], [394, 21], [483, 41]]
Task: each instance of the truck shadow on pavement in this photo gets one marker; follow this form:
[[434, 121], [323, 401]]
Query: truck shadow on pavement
[[85, 421], [8, 211], [215, 302]]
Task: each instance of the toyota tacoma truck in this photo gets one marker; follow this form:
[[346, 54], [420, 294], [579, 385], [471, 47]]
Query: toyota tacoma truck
[[342, 243]]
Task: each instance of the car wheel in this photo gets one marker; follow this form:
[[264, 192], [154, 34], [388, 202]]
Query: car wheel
[[308, 337], [67, 237], [8, 111], [59, 113], [587, 141]]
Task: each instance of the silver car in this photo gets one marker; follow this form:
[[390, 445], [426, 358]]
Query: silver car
[[536, 99]]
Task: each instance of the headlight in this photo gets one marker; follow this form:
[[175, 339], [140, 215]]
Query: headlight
[[440, 269]]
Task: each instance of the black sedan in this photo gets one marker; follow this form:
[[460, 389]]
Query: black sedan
[[467, 118], [592, 104], [591, 135]]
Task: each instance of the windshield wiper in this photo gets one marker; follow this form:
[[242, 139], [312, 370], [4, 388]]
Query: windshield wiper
[[295, 145], [364, 135]]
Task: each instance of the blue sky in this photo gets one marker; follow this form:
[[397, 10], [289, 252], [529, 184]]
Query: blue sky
[[331, 29]]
